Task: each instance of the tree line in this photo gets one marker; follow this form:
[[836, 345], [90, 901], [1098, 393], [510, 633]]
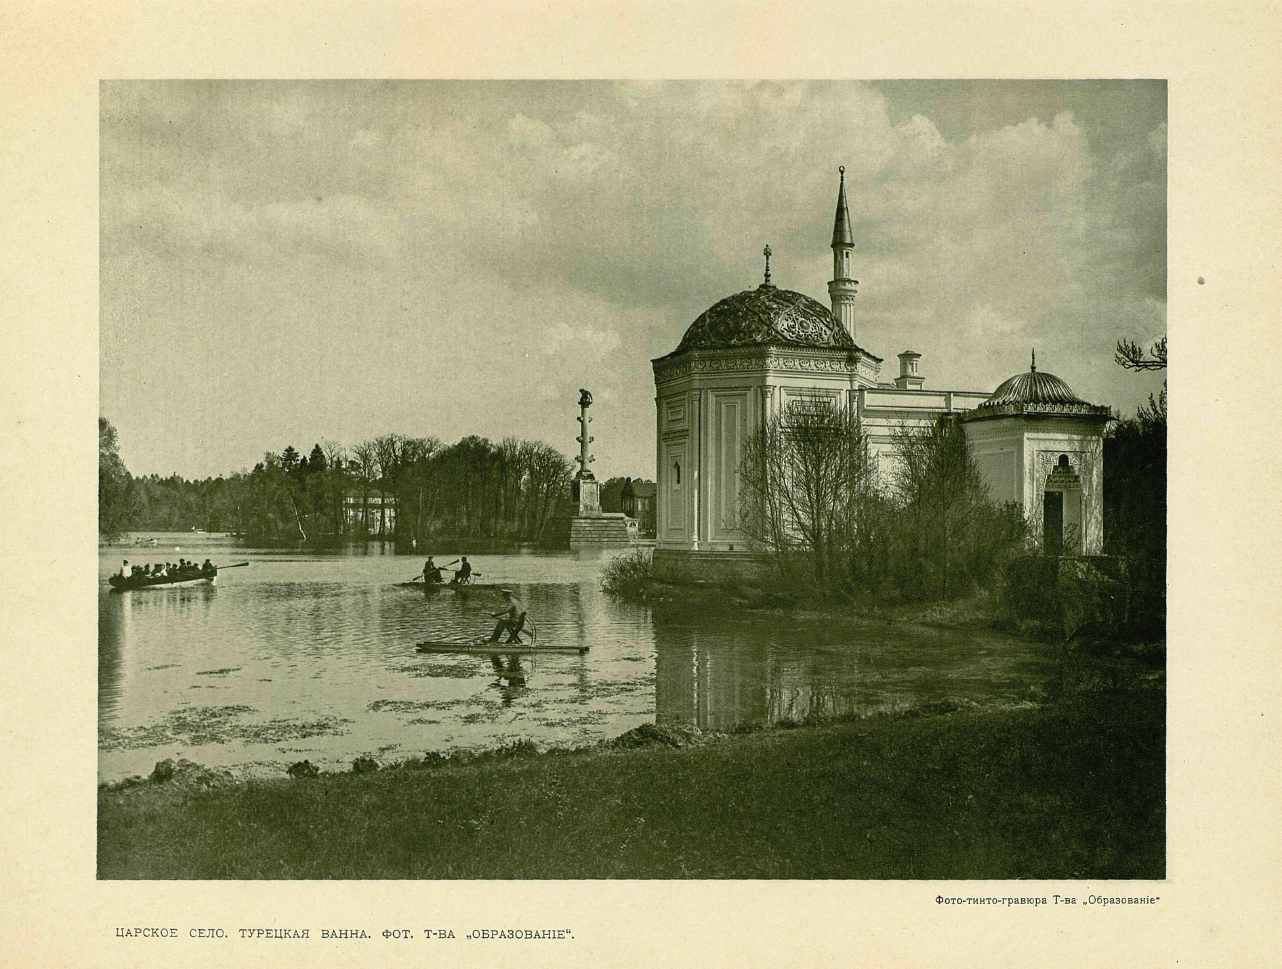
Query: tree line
[[392, 487]]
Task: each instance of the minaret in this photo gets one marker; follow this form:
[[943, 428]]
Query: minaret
[[842, 288]]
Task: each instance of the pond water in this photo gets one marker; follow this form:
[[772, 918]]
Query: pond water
[[311, 656]]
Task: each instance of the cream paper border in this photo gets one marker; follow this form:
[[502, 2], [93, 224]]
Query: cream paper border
[[1220, 902]]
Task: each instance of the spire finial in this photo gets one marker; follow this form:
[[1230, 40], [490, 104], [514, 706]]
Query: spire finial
[[767, 253], [1033, 367], [841, 234]]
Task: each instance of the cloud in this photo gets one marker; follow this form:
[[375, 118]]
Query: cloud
[[563, 338], [542, 236]]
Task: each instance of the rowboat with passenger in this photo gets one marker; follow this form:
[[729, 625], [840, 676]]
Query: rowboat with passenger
[[207, 575]]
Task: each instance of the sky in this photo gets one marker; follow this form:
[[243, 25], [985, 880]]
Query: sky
[[288, 262]]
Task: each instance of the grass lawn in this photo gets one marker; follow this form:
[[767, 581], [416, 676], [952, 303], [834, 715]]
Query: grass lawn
[[1073, 790]]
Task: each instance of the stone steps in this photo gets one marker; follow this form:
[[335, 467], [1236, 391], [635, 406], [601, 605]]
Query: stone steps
[[606, 530]]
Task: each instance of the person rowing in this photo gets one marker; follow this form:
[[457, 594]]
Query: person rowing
[[511, 619], [463, 574], [432, 573]]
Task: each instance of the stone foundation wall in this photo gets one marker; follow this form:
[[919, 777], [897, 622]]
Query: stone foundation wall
[[678, 565]]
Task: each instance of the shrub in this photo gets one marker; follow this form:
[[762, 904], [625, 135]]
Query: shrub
[[628, 575], [304, 768], [1029, 595]]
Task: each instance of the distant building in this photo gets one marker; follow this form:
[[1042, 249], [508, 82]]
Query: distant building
[[637, 501], [371, 514], [760, 351]]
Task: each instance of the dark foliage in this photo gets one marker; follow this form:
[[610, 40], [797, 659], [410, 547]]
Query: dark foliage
[[392, 487], [116, 498]]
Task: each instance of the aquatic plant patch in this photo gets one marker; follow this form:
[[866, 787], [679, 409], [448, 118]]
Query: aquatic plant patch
[[198, 726]]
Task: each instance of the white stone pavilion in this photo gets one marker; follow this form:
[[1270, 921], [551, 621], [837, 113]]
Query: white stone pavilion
[[753, 353]]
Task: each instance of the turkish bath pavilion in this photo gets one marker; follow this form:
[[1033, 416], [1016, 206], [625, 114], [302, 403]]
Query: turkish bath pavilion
[[751, 354]]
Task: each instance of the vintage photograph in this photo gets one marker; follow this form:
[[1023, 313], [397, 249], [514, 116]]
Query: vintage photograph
[[632, 480]]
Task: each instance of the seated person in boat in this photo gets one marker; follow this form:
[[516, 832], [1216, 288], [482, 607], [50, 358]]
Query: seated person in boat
[[208, 566], [463, 574], [512, 618], [432, 572]]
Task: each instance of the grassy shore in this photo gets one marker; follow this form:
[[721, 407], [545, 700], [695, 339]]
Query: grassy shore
[[1071, 789]]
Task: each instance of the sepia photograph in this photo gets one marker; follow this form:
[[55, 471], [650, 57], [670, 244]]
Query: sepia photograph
[[640, 483], [570, 479]]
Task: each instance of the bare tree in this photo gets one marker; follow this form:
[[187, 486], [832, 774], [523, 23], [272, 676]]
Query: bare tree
[[365, 458], [1130, 357], [549, 481], [803, 479], [943, 501], [416, 478], [335, 482]]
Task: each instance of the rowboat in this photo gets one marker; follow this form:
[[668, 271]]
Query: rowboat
[[497, 649], [134, 583]]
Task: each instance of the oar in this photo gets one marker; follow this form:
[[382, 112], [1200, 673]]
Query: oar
[[236, 566]]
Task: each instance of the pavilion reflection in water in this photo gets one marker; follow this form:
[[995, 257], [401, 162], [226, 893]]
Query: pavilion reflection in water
[[718, 683]]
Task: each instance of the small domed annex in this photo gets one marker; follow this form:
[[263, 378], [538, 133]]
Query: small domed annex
[[765, 316], [1035, 393]]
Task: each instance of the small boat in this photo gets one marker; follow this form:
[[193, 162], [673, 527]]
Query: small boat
[[131, 583], [485, 648]]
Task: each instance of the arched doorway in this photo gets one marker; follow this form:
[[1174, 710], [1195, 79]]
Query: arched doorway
[[1062, 518]]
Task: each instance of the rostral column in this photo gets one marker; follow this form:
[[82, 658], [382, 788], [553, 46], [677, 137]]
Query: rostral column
[[586, 486]]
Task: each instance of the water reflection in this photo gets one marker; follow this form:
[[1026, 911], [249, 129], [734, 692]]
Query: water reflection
[[718, 684], [111, 637], [770, 669], [312, 656]]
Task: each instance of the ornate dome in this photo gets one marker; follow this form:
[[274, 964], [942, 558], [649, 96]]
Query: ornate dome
[[1036, 393], [766, 315], [1033, 388]]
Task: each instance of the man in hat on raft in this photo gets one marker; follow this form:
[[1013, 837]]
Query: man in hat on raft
[[512, 618]]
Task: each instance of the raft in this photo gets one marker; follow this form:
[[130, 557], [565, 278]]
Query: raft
[[455, 586], [497, 649]]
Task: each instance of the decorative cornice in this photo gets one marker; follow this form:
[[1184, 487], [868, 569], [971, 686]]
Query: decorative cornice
[[1091, 412], [767, 360]]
